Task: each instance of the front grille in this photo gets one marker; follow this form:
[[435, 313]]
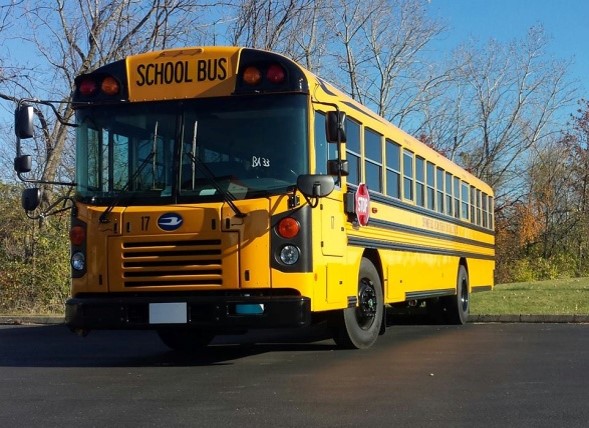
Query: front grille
[[172, 263]]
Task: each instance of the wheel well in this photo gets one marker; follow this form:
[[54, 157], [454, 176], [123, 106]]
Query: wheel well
[[372, 255]]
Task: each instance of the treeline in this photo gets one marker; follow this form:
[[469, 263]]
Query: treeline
[[34, 258], [544, 233], [498, 109]]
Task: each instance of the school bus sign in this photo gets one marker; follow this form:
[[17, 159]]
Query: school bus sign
[[181, 73]]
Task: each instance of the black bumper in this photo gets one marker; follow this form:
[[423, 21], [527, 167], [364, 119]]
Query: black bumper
[[214, 312]]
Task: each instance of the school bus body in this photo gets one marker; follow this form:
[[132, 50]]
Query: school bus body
[[181, 263]]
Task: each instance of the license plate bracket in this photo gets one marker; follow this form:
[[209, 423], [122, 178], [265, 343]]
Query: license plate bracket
[[168, 313]]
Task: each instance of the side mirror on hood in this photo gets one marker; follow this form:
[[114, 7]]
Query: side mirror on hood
[[315, 185]]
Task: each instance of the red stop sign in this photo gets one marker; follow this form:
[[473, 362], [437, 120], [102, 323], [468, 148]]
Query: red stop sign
[[362, 202]]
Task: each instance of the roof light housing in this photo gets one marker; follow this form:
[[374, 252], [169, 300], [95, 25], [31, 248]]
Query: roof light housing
[[98, 87]]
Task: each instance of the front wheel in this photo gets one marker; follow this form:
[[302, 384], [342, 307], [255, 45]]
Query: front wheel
[[360, 326]]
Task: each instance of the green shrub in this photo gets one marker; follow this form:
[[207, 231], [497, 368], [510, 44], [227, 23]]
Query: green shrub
[[34, 259]]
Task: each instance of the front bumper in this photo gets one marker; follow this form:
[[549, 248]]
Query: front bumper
[[222, 312]]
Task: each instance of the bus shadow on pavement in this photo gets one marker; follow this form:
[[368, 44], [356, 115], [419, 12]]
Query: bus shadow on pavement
[[56, 346]]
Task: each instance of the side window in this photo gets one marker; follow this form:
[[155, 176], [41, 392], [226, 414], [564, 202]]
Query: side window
[[408, 174], [431, 183], [456, 197], [353, 150], [465, 199], [448, 193], [491, 213], [323, 150], [478, 205], [420, 181], [393, 169], [485, 211], [373, 159], [440, 189], [91, 172]]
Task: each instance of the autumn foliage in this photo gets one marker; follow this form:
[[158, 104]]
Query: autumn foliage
[[545, 234]]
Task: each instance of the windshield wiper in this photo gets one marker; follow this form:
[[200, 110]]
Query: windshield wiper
[[104, 216], [198, 164], [227, 196]]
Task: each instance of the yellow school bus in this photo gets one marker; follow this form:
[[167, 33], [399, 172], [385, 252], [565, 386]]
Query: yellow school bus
[[220, 189]]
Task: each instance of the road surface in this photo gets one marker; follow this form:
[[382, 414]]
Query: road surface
[[483, 375]]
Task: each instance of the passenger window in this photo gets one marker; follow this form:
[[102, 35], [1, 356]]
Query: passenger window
[[393, 169], [408, 174], [373, 162], [353, 150], [420, 181]]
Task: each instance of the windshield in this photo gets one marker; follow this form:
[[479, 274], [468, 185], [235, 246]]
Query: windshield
[[191, 151]]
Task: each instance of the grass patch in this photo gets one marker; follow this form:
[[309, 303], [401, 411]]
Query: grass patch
[[555, 297]]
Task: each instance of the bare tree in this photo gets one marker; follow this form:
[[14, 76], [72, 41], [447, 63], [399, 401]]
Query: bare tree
[[379, 47], [74, 37], [396, 37], [267, 24], [310, 35], [510, 96], [347, 22]]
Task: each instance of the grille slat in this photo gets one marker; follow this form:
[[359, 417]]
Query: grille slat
[[172, 263]]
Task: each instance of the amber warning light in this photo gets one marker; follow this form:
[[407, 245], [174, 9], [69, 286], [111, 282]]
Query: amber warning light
[[255, 75], [91, 86]]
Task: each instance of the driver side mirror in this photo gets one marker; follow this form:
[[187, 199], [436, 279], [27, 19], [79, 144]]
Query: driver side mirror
[[23, 121], [334, 127]]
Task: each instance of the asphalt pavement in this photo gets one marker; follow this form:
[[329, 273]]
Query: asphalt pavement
[[480, 375]]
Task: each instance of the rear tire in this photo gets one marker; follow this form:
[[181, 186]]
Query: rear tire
[[359, 327], [185, 340], [457, 308]]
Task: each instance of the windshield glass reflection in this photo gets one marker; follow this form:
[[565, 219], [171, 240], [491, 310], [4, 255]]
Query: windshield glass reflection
[[191, 151]]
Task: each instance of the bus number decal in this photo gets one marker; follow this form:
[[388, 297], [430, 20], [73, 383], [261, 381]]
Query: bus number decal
[[260, 161], [144, 223]]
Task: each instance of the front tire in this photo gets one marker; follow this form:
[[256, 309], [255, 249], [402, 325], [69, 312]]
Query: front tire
[[359, 327]]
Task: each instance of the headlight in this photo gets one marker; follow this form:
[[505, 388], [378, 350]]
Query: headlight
[[78, 261], [289, 254]]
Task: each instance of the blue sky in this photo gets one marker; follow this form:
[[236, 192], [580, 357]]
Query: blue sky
[[566, 23]]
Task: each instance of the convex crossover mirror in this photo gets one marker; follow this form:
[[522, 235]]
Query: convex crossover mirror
[[315, 185]]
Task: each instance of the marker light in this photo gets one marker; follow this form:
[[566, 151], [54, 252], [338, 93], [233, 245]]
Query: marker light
[[252, 76], [87, 87], [288, 228], [275, 74], [110, 86], [77, 235]]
